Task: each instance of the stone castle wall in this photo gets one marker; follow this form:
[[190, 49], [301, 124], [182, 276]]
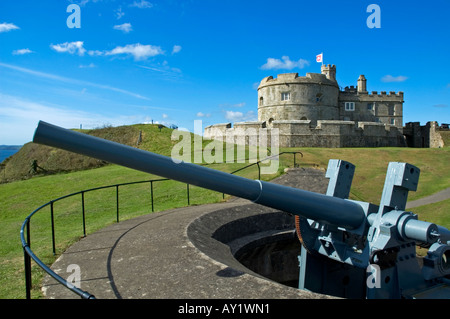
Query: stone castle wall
[[423, 136], [300, 133]]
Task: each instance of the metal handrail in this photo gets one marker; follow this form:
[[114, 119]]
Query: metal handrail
[[25, 229]]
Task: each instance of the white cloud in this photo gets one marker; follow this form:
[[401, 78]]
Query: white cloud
[[228, 105], [164, 116], [72, 81], [176, 49], [141, 4], [390, 78], [96, 52], [201, 114], [125, 27], [69, 47], [5, 27], [239, 116], [22, 51], [165, 70], [138, 51], [82, 3], [87, 66], [234, 116], [284, 63]]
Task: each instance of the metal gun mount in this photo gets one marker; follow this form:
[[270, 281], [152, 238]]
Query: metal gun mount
[[349, 248], [378, 259]]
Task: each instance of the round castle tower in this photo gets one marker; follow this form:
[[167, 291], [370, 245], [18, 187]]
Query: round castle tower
[[291, 97]]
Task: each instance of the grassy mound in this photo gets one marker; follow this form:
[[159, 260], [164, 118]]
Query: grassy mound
[[51, 160]]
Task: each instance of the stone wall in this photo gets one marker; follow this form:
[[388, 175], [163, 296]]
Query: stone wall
[[311, 97], [423, 136], [375, 107], [298, 133]]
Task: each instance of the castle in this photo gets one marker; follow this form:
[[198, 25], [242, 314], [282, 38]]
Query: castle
[[312, 111]]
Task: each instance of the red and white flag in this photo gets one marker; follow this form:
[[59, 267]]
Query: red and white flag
[[319, 58]]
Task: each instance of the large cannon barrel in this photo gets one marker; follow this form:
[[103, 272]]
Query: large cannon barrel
[[319, 207]]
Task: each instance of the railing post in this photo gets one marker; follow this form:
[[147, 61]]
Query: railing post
[[83, 214], [151, 194], [187, 188], [27, 261], [117, 203], [53, 228]]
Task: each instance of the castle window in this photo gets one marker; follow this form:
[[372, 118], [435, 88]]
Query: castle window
[[370, 106], [285, 96], [349, 106], [391, 110], [261, 101], [392, 121], [318, 97]]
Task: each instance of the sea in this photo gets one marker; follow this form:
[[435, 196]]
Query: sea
[[5, 153]]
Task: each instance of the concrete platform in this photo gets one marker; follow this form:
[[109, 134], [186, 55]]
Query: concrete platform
[[179, 254]]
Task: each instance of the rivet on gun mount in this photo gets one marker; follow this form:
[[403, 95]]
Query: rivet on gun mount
[[341, 238]]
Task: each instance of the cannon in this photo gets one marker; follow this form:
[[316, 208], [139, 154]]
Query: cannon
[[349, 248]]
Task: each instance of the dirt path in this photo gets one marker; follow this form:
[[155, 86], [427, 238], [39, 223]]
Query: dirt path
[[437, 197]]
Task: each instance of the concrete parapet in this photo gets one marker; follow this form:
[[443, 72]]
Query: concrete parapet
[[215, 130], [336, 127], [293, 126], [246, 125]]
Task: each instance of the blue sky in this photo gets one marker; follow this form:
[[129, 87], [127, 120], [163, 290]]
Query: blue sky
[[174, 62]]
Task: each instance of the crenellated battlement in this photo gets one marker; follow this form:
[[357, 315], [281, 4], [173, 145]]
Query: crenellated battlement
[[328, 66], [383, 93], [294, 78]]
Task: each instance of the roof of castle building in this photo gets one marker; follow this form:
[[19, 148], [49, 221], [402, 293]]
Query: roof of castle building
[[315, 78]]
